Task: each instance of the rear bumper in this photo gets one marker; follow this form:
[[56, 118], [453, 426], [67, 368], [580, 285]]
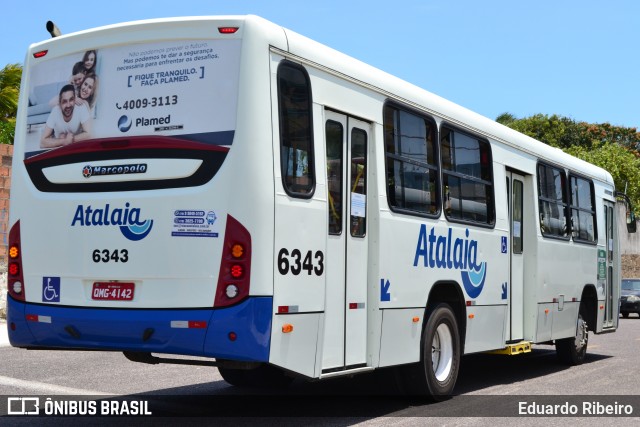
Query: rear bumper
[[196, 332]]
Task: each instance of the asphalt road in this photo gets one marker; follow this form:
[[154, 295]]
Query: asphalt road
[[488, 385]]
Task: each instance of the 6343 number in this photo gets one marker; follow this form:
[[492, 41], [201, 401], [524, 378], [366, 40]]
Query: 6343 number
[[294, 262], [105, 255]]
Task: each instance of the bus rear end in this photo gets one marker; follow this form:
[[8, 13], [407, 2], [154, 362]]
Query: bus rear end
[[133, 220]]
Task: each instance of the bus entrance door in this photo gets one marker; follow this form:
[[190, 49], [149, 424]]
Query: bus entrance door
[[610, 292], [515, 294], [345, 327]]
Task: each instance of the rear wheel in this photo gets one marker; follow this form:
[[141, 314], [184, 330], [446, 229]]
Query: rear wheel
[[265, 376], [236, 377], [436, 374], [573, 351]]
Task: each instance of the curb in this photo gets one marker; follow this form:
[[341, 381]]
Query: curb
[[4, 334], [3, 294]]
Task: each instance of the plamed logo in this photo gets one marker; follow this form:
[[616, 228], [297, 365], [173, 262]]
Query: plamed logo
[[124, 123]]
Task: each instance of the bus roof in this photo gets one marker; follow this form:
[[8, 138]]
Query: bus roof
[[318, 55]]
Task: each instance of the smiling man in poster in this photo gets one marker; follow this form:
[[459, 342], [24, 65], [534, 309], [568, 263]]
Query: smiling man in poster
[[68, 122]]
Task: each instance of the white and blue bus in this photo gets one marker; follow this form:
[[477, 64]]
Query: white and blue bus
[[225, 188]]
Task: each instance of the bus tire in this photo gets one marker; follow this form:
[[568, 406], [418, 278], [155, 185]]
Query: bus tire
[[265, 376], [235, 377], [572, 351], [435, 375]]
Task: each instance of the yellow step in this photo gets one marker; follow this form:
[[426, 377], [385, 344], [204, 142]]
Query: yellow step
[[513, 349]]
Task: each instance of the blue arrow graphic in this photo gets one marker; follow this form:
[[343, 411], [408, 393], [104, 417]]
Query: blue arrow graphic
[[384, 290]]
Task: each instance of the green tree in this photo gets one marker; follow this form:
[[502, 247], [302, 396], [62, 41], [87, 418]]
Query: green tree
[[557, 131], [10, 77], [613, 148], [605, 132], [506, 119], [622, 163]]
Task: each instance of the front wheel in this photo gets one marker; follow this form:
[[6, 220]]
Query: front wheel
[[436, 374], [573, 350]]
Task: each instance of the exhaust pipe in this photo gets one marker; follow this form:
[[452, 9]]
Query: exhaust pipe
[[53, 29]]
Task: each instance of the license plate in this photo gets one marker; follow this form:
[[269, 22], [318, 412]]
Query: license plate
[[112, 291]]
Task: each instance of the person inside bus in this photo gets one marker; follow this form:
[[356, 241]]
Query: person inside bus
[[68, 122]]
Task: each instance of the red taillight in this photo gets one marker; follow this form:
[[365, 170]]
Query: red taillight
[[235, 265], [15, 279], [237, 271], [14, 269], [227, 30], [40, 54]]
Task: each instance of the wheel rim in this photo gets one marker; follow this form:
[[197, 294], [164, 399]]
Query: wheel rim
[[582, 335], [442, 352]]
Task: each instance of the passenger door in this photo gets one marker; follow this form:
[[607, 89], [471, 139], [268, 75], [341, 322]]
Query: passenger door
[[610, 291], [345, 328], [515, 288]]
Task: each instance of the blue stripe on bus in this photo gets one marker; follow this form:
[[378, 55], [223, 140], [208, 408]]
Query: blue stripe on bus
[[123, 330]]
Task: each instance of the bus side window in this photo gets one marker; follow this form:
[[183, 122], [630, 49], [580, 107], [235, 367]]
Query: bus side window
[[411, 162], [467, 175], [552, 196], [334, 136], [358, 181], [583, 210], [296, 130]]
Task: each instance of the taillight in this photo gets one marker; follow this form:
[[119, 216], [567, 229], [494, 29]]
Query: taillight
[[15, 279], [227, 30], [235, 266]]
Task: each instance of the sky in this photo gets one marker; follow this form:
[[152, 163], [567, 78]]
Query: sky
[[575, 58]]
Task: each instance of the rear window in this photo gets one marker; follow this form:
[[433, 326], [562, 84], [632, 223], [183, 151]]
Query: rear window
[[631, 285], [184, 89]]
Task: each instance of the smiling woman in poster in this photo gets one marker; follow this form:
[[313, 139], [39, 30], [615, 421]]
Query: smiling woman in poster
[[68, 122], [87, 93]]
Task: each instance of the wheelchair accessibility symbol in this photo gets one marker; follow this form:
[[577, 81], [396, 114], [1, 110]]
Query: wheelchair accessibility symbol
[[51, 289]]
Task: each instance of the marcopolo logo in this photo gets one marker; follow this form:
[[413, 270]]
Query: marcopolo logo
[[127, 219], [459, 254], [88, 171]]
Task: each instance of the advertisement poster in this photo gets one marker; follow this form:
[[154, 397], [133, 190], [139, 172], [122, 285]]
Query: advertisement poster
[[185, 89]]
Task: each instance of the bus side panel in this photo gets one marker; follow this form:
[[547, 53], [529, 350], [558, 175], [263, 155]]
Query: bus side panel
[[563, 270], [415, 254], [296, 350], [299, 254], [564, 320], [485, 328], [401, 336]]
